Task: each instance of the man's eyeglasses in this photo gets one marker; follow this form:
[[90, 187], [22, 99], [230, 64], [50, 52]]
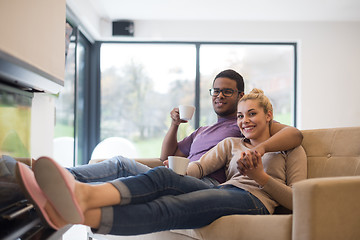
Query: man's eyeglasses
[[227, 92]]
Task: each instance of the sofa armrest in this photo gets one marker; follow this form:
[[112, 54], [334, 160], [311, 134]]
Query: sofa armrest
[[326, 208], [247, 227], [150, 162]]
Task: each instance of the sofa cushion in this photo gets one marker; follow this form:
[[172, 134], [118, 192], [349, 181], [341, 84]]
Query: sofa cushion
[[248, 227], [332, 152]]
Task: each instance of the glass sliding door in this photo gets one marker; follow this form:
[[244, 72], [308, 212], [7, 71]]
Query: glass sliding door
[[140, 85], [63, 143], [70, 133], [81, 134]]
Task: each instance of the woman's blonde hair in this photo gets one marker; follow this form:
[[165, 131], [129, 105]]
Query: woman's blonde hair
[[258, 94]]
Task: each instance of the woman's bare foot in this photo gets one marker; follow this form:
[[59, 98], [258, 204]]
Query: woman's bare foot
[[81, 192], [92, 216], [96, 196], [92, 197]]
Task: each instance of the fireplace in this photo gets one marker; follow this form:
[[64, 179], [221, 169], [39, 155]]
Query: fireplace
[[18, 218], [19, 82], [32, 63]]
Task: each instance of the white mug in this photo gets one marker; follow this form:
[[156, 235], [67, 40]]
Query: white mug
[[178, 164], [186, 112]]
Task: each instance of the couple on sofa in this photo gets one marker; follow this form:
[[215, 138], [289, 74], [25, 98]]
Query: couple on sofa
[[240, 175]]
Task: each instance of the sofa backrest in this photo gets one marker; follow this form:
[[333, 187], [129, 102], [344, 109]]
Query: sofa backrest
[[332, 152]]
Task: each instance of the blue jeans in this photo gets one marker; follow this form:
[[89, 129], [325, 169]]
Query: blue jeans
[[108, 170], [161, 200], [114, 168]]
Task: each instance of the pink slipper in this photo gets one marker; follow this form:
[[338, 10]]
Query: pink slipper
[[33, 192], [58, 186]]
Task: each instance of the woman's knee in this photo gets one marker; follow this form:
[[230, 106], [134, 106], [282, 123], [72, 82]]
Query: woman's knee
[[163, 173]]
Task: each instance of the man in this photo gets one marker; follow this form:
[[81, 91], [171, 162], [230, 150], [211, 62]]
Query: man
[[228, 88]]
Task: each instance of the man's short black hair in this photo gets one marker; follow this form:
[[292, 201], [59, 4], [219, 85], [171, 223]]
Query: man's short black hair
[[233, 75]]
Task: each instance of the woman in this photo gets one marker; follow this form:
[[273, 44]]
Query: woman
[[161, 200]]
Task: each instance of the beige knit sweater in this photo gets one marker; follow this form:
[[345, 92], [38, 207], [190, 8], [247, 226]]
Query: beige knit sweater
[[284, 168]]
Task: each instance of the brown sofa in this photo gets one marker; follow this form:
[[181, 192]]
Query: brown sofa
[[325, 206]]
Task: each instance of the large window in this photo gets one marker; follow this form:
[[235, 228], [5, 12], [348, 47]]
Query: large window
[[269, 67], [140, 85], [142, 82]]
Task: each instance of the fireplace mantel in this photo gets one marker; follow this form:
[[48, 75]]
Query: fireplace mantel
[[25, 76]]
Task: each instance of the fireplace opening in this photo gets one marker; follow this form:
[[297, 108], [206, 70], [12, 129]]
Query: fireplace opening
[[15, 121]]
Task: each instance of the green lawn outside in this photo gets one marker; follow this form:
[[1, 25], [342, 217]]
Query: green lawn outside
[[284, 118], [63, 131], [149, 148]]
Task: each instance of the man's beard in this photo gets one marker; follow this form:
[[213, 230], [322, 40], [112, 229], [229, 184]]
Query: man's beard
[[226, 113]]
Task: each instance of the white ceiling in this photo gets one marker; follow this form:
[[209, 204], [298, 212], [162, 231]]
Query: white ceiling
[[228, 9], [90, 12]]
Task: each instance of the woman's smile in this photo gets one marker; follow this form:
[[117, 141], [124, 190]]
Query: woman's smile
[[253, 121], [248, 128]]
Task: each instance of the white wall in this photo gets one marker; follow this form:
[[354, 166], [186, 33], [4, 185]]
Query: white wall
[[42, 125], [34, 32], [328, 60]]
